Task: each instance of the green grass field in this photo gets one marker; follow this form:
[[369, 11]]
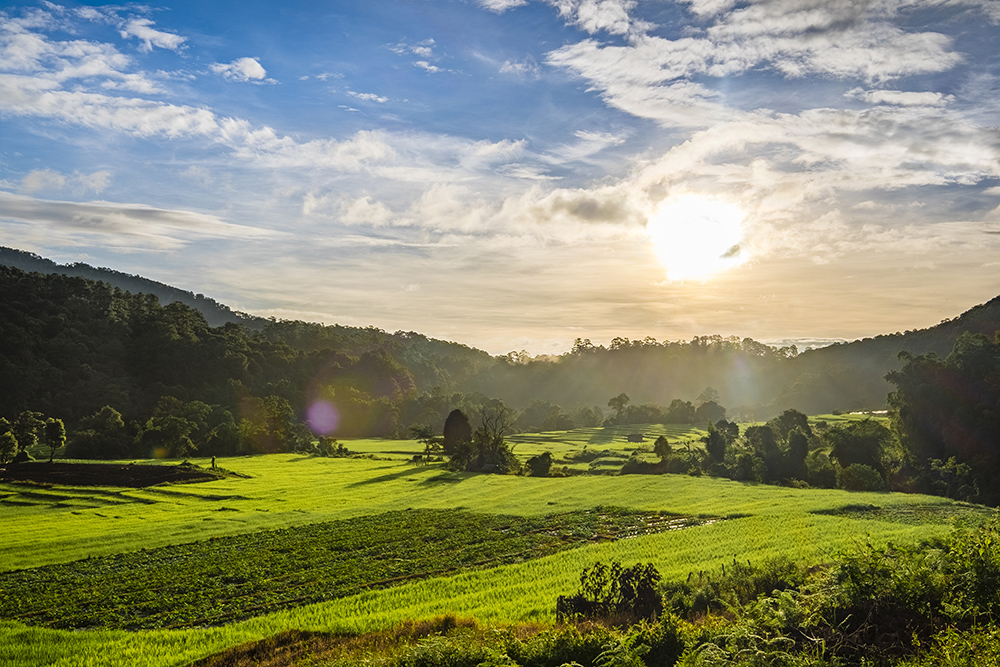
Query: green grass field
[[60, 525]]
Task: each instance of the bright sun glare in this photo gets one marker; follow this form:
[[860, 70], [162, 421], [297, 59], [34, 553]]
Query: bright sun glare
[[696, 237]]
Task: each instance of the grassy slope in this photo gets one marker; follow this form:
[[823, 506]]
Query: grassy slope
[[58, 525]]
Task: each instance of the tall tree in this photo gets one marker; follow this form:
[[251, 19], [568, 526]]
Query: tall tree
[[861, 442], [8, 445], [27, 428], [55, 435], [457, 432], [618, 404]]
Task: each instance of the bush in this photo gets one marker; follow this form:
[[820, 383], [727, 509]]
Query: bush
[[560, 646], [860, 477], [613, 592], [540, 465], [446, 651]]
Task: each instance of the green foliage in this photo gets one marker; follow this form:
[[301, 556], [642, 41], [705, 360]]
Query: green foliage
[[102, 435], [544, 415], [269, 425], [956, 648], [715, 445], [859, 477], [29, 429], [330, 448], [948, 408], [657, 644], [457, 432], [540, 465], [225, 579], [8, 446], [613, 592], [876, 604], [662, 448], [952, 479], [863, 442], [618, 403], [54, 435], [488, 451], [737, 584], [788, 421]]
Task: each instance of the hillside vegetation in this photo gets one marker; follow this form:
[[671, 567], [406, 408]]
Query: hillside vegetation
[[73, 345]]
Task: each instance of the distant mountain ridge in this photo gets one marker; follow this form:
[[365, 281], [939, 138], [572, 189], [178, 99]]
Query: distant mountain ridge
[[215, 313]]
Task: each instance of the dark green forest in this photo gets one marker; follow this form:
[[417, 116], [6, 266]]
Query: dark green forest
[[130, 376]]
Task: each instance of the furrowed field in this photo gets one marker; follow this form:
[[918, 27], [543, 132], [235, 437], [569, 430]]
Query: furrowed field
[[360, 544]]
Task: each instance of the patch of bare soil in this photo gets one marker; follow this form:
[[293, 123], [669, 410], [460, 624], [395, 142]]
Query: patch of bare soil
[[103, 474]]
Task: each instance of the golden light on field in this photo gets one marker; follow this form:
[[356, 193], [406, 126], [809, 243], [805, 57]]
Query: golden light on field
[[696, 237]]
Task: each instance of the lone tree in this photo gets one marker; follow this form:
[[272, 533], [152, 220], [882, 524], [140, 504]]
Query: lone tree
[[618, 404], [55, 436], [715, 444], [425, 435], [662, 447], [540, 465], [457, 432]]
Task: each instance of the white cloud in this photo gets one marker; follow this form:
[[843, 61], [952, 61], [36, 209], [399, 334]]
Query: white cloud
[[588, 143], [423, 50], [366, 211], [243, 70], [48, 179], [668, 79], [42, 179], [594, 16], [368, 97], [527, 68], [142, 30], [500, 6], [38, 97], [900, 98], [423, 64]]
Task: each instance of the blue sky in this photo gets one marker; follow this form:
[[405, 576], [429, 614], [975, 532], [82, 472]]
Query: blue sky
[[513, 174]]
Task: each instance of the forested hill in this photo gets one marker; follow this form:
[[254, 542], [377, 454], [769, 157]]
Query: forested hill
[[216, 314], [856, 370], [70, 345]]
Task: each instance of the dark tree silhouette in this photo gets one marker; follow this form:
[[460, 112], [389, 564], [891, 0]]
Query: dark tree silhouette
[[55, 436], [862, 442], [618, 404], [457, 432]]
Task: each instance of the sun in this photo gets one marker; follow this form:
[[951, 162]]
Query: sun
[[696, 237]]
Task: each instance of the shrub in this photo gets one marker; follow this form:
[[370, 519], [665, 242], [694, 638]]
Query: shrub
[[613, 592], [540, 465], [860, 477]]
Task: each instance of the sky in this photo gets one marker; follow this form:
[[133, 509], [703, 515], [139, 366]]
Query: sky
[[514, 175]]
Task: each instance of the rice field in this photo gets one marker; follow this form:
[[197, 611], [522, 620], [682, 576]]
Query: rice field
[[47, 525]]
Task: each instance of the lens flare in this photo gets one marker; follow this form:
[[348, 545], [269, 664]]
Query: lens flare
[[323, 417], [696, 237]]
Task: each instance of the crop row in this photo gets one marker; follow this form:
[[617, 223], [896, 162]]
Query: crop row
[[226, 579]]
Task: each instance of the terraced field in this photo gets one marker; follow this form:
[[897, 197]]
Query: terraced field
[[292, 510]]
